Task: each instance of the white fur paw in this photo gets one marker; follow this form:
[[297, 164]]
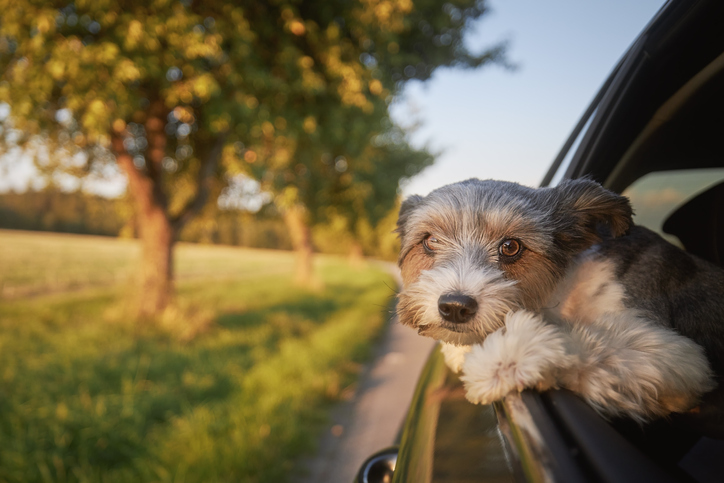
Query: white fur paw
[[526, 354], [454, 355]]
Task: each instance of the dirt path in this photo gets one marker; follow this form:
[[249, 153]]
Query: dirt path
[[370, 420]]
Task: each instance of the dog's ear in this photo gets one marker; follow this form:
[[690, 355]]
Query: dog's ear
[[407, 207], [587, 211]]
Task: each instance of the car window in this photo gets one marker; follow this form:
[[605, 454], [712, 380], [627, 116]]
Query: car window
[[657, 195]]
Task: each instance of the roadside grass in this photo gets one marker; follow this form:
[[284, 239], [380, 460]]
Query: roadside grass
[[86, 395]]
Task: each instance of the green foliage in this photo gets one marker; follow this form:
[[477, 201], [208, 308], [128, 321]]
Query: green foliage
[[54, 210], [87, 396], [76, 212], [379, 241], [231, 227], [293, 92]]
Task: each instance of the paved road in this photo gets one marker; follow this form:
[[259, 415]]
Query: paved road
[[370, 420]]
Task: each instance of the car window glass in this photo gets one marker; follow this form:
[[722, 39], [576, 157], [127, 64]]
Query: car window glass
[[657, 195]]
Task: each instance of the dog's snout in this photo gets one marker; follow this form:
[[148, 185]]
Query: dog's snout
[[457, 308]]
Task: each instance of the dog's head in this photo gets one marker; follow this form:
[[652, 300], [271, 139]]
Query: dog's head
[[474, 250]]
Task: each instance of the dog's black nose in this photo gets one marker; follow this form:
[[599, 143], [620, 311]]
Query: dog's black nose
[[457, 308]]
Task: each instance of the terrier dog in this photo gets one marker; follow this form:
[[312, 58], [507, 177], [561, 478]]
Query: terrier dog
[[556, 287]]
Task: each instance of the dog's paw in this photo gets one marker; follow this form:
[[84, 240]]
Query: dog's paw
[[454, 355], [487, 380], [526, 354]]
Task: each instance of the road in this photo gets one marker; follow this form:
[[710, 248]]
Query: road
[[371, 418]]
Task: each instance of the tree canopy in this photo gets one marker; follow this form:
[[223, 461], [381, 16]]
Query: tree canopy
[[182, 94]]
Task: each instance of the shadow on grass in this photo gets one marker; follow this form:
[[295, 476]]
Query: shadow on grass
[[98, 411], [294, 317], [316, 310], [83, 401]]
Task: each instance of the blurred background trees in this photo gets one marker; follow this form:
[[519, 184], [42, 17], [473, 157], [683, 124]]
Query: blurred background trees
[[189, 98]]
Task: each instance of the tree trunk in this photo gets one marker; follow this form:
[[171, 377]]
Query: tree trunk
[[156, 274], [356, 255], [155, 282], [155, 229], [301, 237]]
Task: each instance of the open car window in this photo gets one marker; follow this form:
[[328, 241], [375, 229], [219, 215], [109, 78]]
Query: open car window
[[656, 196]]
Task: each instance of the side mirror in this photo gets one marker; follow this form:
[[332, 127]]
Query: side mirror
[[379, 467]]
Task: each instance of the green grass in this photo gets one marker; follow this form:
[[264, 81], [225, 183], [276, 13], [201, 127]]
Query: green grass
[[86, 395]]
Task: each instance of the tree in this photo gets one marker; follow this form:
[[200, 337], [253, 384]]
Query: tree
[[336, 168], [389, 159], [177, 93], [350, 164]]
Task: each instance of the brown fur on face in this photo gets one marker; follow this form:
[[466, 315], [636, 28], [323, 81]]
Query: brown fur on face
[[536, 276], [414, 263]]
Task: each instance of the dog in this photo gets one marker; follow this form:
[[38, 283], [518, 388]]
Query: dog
[[557, 288]]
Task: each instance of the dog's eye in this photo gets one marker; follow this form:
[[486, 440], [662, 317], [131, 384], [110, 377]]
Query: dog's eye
[[510, 248], [430, 243]]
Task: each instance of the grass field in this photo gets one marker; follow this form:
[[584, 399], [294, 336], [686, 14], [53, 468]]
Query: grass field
[[86, 395], [37, 263]]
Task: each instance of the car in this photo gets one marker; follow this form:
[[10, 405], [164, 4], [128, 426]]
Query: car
[[654, 132]]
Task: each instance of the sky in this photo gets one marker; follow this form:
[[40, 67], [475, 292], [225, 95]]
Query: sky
[[510, 124], [493, 122]]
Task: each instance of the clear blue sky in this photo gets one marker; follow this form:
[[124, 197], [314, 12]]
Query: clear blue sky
[[494, 123]]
